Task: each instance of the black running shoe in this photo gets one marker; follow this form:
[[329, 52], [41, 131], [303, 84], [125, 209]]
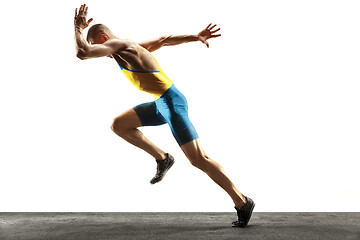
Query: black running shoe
[[244, 213], [162, 167]]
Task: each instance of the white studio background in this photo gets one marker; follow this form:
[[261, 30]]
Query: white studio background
[[275, 101]]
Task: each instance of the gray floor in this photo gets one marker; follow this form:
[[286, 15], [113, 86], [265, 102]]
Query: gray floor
[[104, 226]]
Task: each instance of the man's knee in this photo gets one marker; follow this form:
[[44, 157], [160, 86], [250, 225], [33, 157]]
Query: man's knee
[[124, 122], [118, 125], [200, 161]]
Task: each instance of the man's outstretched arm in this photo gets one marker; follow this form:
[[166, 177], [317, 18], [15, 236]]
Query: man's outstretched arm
[[203, 36]]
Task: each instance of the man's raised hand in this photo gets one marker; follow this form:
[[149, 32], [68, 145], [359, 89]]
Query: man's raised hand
[[80, 18], [208, 33]]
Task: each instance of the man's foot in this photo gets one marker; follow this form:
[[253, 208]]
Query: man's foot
[[244, 213], [162, 167]]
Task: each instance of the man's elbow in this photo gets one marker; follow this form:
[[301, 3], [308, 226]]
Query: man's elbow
[[81, 54]]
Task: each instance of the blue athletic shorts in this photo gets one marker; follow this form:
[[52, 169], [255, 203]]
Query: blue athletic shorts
[[170, 108]]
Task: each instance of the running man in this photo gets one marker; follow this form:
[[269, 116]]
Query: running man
[[170, 105]]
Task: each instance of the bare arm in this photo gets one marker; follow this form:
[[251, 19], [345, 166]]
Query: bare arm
[[84, 50], [82, 46], [155, 44]]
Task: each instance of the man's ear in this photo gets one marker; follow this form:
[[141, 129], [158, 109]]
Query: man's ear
[[105, 36]]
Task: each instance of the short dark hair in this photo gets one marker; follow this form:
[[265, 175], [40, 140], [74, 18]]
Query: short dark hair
[[97, 29]]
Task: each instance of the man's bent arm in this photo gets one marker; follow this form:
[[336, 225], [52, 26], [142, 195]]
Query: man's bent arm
[[80, 43], [84, 50]]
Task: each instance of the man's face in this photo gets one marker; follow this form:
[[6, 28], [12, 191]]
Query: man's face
[[100, 38]]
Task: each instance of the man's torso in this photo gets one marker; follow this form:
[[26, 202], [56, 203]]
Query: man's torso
[[136, 58], [142, 70]]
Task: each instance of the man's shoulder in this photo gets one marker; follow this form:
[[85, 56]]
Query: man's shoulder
[[121, 43]]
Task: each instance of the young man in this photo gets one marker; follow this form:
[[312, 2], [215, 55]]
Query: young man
[[170, 105]]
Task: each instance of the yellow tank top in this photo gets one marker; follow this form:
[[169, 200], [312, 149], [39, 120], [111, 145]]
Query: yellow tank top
[[153, 82]]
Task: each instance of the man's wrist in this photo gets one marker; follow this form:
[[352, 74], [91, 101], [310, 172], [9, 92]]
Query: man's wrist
[[78, 28], [195, 37]]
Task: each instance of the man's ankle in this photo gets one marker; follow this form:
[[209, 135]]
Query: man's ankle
[[241, 203], [161, 157]]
